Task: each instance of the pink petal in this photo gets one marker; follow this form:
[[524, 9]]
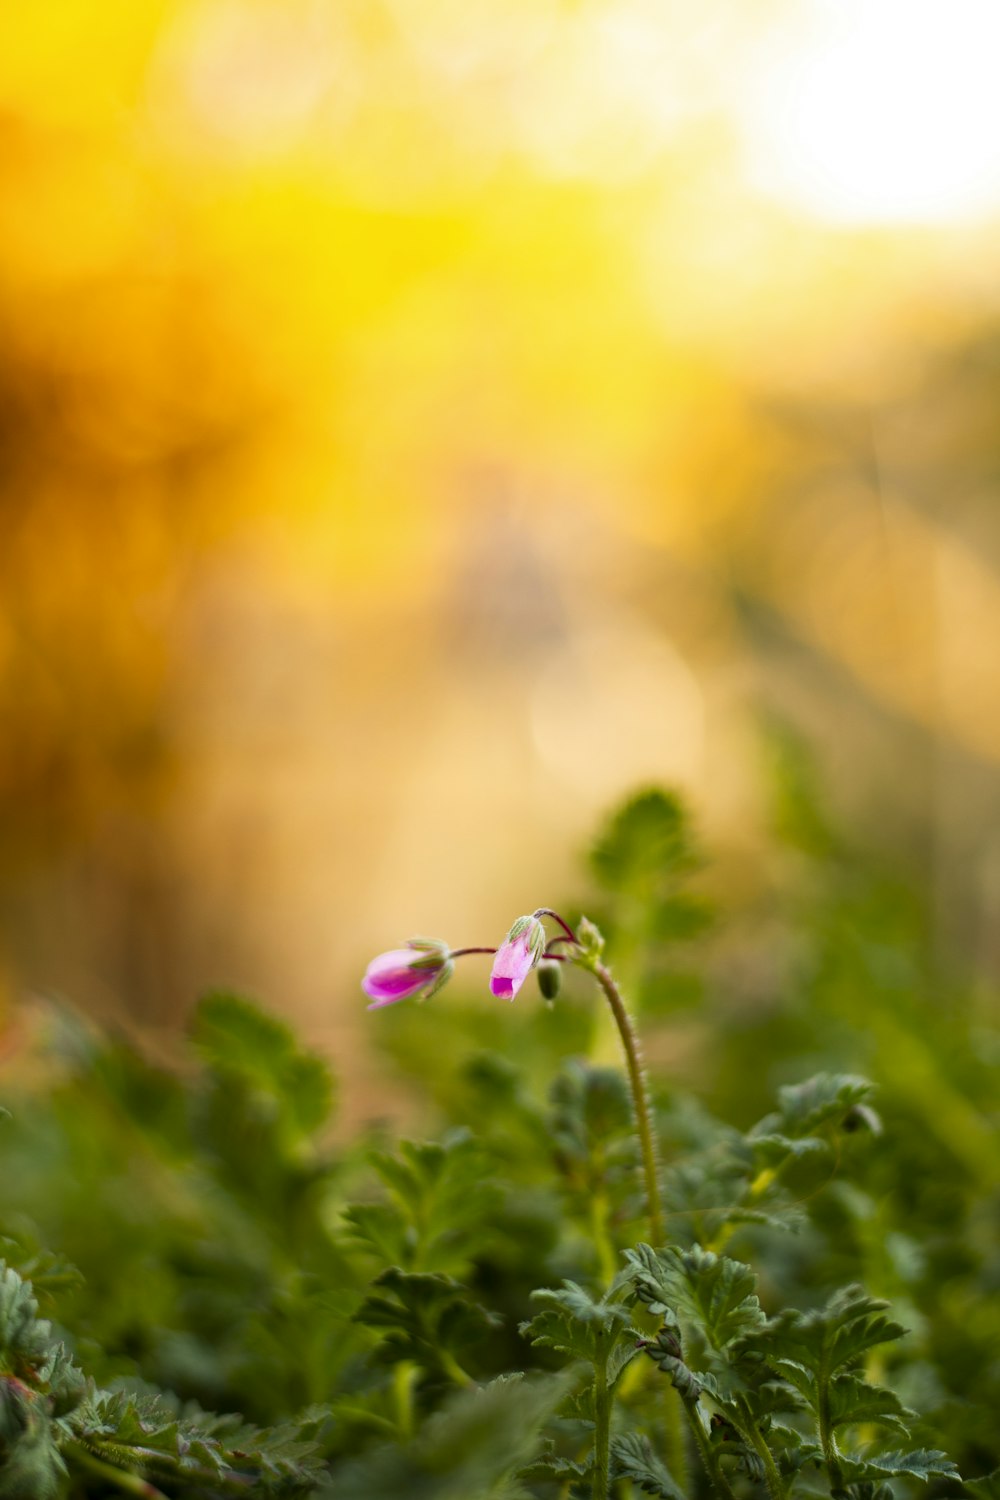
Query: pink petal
[[392, 976], [513, 963]]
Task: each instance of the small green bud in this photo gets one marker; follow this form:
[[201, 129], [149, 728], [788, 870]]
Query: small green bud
[[590, 939], [549, 979]]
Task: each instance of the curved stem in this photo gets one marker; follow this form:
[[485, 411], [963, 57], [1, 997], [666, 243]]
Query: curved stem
[[643, 1113], [640, 1096], [546, 911], [461, 952], [775, 1488]]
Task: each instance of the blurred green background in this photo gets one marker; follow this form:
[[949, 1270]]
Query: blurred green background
[[422, 422]]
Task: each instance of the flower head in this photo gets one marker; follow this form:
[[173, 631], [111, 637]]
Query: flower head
[[421, 968], [517, 956]]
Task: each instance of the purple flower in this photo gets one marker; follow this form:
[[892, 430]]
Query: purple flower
[[517, 956], [420, 969]]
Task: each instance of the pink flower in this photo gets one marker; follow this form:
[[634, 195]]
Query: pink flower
[[420, 969], [517, 956]]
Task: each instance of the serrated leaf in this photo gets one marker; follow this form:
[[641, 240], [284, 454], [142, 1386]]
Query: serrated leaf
[[149, 1433], [805, 1108], [711, 1293], [240, 1040], [549, 1467], [632, 1457], [443, 1198], [829, 1339], [574, 1323], [424, 1317], [922, 1463], [774, 1149], [852, 1399], [987, 1487]]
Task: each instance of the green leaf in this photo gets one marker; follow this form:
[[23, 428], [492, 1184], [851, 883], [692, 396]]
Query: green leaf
[[443, 1200], [663, 1350], [802, 1345], [645, 842], [241, 1042], [473, 1449], [574, 1323], [805, 1108], [32, 1468], [633, 1458], [852, 1399], [427, 1318], [987, 1487], [547, 1468], [708, 1293], [591, 1112], [25, 1339], [923, 1463], [152, 1434]]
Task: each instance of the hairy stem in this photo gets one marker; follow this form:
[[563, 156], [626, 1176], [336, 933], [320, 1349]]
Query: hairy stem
[[758, 1442], [640, 1097], [643, 1115], [709, 1457], [602, 1426], [830, 1455]]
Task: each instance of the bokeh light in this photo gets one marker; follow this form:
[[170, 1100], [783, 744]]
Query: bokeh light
[[419, 422]]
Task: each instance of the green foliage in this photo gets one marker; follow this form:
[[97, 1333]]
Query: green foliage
[[57, 1429], [709, 1295], [783, 1389], [234, 1305], [633, 1458], [643, 859], [440, 1200], [472, 1449], [583, 1327], [425, 1318]]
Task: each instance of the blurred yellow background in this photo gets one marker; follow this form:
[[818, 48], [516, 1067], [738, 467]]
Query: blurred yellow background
[[423, 420]]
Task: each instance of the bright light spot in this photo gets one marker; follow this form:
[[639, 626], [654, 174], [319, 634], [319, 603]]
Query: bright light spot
[[880, 110]]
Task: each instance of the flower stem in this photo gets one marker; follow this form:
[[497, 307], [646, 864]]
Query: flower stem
[[643, 1114], [546, 911], [461, 952], [640, 1096]]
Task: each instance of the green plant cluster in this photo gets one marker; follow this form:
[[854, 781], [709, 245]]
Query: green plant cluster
[[204, 1293]]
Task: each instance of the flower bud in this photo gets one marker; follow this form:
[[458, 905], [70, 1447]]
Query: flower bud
[[517, 956], [419, 969], [549, 978], [590, 939]]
